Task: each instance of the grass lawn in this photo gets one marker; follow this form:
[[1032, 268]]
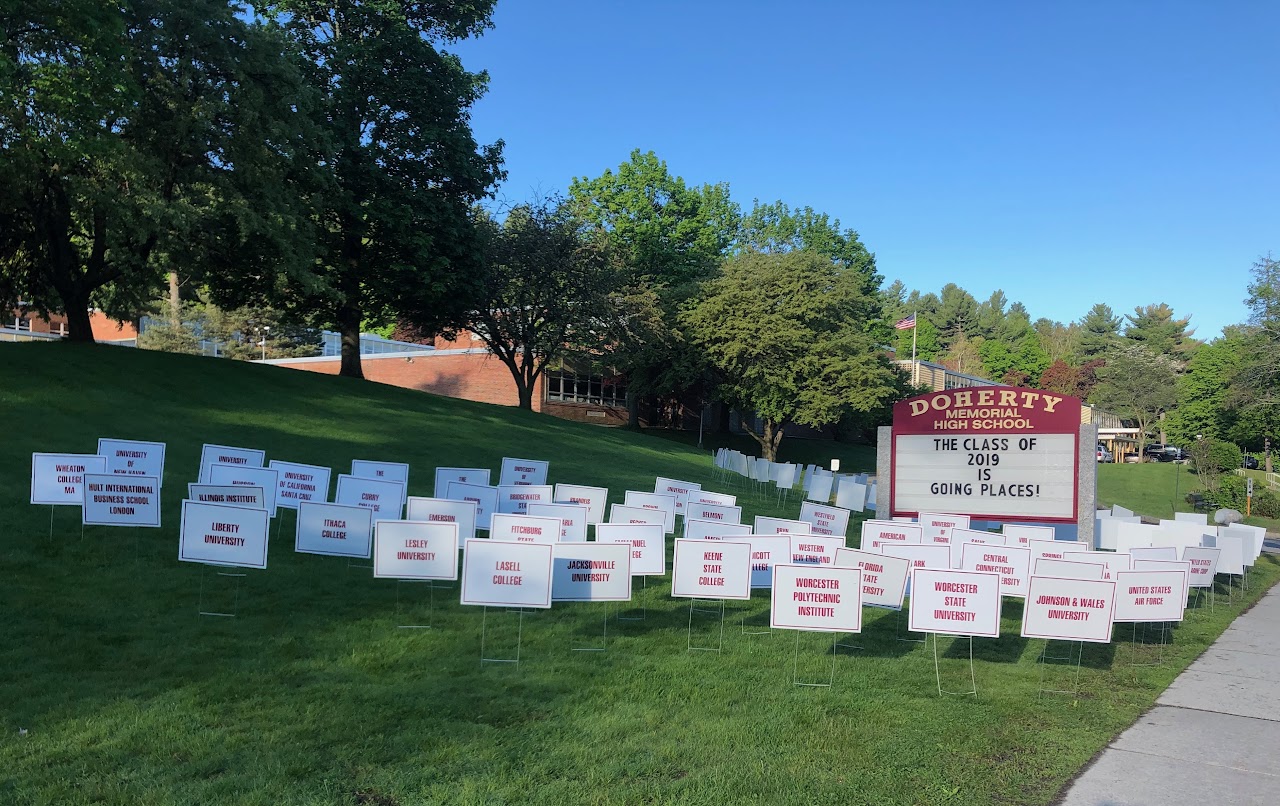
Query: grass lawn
[[853, 458], [1157, 489], [313, 696]]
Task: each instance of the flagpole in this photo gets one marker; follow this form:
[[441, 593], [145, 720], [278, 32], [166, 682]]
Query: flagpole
[[915, 367]]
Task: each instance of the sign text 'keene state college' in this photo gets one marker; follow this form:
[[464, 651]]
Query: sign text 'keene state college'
[[993, 451]]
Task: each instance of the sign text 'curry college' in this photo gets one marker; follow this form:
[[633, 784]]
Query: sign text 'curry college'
[[992, 451]]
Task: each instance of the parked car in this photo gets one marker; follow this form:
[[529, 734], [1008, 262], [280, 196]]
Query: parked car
[[1105, 455], [1250, 462], [1164, 453]]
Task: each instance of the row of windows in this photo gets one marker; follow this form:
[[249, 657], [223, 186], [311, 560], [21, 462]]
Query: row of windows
[[568, 387]]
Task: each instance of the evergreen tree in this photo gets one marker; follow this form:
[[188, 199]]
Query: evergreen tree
[[1099, 332]]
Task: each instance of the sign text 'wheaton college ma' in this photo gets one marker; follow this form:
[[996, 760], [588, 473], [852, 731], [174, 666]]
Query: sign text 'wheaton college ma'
[[996, 452]]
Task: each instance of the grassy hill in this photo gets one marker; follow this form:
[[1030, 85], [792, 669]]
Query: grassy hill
[[313, 696]]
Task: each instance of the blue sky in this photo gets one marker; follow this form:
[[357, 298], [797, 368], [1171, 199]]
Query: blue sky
[[1067, 153]]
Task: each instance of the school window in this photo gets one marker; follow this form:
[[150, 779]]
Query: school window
[[565, 386]]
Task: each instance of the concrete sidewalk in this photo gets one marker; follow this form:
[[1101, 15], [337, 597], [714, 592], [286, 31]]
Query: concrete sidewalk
[[1212, 738]]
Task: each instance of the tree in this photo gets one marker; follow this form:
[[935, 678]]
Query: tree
[[547, 293], [1099, 332], [1137, 385], [964, 355], [1062, 378], [402, 168], [1155, 327], [1059, 341], [669, 237], [1204, 406], [786, 333], [926, 341], [956, 314], [775, 228], [131, 131], [990, 315]]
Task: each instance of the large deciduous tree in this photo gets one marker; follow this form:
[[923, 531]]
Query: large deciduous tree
[[669, 236], [130, 131], [787, 334], [547, 291], [1138, 385], [404, 170]]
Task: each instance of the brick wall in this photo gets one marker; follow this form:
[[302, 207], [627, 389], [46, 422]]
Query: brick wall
[[475, 376], [470, 376]]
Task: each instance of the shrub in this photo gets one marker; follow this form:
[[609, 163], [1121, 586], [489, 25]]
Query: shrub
[[1226, 455], [1266, 504], [1229, 493]]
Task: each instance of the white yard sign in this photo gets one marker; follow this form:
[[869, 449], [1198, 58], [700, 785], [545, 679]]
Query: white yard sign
[[1069, 609], [713, 512], [572, 517], [647, 541], [1012, 563], [443, 510], [884, 578], [221, 535], [57, 479], [1019, 535], [679, 489], [825, 519], [385, 498], [246, 476], [514, 499], [940, 525], [695, 529], [415, 550], [619, 513], [129, 457], [591, 572], [666, 504], [816, 599], [227, 455], [1068, 569], [228, 494], [955, 602], [780, 526], [524, 529], [484, 497], [519, 472], [334, 530], [1150, 596], [1202, 564], [462, 475], [382, 471], [1112, 562], [496, 573], [877, 533], [117, 500], [705, 569], [767, 551], [593, 498], [815, 549], [708, 497], [299, 483]]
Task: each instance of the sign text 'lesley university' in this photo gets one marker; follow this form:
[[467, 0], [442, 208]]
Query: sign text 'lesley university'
[[995, 452]]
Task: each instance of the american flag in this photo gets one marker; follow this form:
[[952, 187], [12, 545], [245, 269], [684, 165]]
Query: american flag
[[906, 324]]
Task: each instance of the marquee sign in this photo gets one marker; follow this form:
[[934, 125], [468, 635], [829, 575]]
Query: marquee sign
[[995, 452]]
